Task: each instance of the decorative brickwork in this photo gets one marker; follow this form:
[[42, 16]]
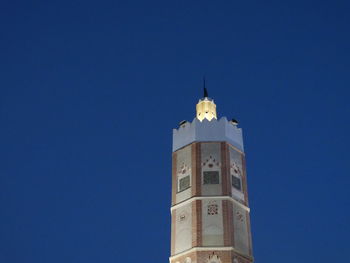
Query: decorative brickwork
[[197, 223], [227, 220], [213, 209], [250, 234], [245, 187], [198, 170], [210, 216], [194, 169], [225, 171]]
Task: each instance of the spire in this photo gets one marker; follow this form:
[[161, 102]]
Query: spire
[[205, 89]]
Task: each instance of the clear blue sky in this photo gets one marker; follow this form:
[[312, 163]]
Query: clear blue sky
[[91, 90]]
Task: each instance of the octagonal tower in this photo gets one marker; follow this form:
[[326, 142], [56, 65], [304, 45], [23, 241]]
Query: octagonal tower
[[210, 212]]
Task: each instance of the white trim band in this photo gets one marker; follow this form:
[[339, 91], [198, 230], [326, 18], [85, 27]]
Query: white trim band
[[198, 249], [190, 200]]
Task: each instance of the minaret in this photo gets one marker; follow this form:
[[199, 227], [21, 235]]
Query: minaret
[[209, 213]]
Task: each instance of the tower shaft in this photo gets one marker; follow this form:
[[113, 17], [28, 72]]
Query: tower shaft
[[210, 220]]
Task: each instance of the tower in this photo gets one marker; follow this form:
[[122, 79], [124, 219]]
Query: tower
[[209, 212]]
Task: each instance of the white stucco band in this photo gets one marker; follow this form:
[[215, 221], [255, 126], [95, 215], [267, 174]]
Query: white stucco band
[[210, 249], [207, 131], [229, 198]]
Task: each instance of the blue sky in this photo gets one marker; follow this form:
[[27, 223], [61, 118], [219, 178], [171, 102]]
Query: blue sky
[[90, 92]]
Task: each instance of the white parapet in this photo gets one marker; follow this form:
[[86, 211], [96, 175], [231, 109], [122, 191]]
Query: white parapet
[[207, 131]]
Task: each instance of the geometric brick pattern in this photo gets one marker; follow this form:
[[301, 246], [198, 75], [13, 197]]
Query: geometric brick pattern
[[227, 251]]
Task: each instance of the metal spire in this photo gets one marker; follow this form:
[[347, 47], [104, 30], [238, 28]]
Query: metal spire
[[205, 89]]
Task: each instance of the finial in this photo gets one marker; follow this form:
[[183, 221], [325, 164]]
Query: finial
[[205, 89]]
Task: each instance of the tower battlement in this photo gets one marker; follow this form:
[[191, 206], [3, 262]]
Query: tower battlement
[[207, 131]]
